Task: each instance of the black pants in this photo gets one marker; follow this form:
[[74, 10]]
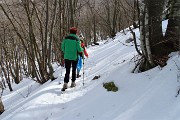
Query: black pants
[[68, 64]]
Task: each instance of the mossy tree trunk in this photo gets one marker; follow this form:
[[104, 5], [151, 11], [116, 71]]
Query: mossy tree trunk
[[151, 32], [172, 35]]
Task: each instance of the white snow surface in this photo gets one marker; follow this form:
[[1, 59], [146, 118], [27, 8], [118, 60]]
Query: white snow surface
[[149, 95]]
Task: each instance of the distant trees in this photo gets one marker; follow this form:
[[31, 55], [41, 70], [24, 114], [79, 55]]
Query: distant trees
[[31, 40], [102, 18], [31, 33]]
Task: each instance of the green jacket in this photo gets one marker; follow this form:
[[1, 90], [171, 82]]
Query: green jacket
[[71, 47]]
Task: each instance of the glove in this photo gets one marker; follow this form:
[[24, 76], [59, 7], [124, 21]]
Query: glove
[[81, 54], [62, 63]]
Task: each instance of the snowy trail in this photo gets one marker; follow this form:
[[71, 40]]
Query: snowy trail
[[109, 55]]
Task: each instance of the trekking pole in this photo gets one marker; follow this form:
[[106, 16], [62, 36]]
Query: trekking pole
[[83, 70], [61, 73]]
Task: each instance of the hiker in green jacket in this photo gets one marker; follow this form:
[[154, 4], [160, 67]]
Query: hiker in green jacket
[[71, 47]]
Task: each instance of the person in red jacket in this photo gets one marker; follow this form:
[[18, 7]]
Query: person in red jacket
[[79, 64]]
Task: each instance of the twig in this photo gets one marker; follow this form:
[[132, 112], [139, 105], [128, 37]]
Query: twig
[[178, 78], [29, 91], [135, 43]]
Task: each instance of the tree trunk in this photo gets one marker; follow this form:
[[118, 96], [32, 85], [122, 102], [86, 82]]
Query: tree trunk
[[172, 35], [1, 103], [51, 70], [71, 7], [155, 9], [94, 26], [151, 33], [1, 107], [114, 22]]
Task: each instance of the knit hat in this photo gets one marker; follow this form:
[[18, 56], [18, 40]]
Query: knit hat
[[73, 30]]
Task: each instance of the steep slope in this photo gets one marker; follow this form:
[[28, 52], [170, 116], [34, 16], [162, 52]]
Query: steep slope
[[142, 96]]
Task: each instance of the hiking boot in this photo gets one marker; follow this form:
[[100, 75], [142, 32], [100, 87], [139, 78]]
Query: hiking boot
[[64, 87], [78, 75], [73, 84]]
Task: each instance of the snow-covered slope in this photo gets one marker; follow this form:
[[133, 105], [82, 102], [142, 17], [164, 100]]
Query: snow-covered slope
[[141, 96]]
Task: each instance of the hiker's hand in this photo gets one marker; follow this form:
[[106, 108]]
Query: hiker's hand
[[81, 54], [62, 62]]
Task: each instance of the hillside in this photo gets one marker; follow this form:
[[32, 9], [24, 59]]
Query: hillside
[[150, 95]]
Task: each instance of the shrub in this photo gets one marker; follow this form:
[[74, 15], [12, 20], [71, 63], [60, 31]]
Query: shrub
[[110, 86]]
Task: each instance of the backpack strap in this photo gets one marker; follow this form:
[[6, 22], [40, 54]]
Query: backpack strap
[[71, 38]]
